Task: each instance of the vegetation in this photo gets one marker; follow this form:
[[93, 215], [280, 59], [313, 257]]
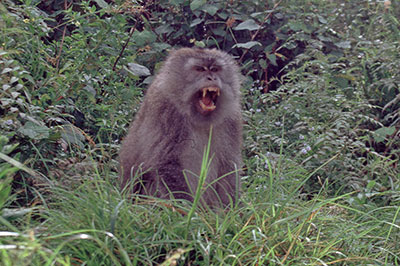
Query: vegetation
[[321, 102]]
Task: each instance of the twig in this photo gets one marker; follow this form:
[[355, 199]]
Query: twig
[[63, 37], [258, 30], [125, 45]]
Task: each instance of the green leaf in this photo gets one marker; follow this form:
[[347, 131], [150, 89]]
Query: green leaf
[[290, 45], [196, 4], [249, 24], [272, 59], [268, 48], [5, 189], [176, 2], [247, 45], [262, 63], [219, 32], [5, 181], [324, 38], [101, 3], [223, 15], [195, 22], [297, 26], [344, 44], [164, 29], [142, 38], [322, 19], [200, 44], [159, 47], [371, 184], [210, 9], [381, 133], [34, 131], [6, 70]]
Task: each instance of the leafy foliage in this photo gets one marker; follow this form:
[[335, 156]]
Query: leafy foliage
[[321, 102]]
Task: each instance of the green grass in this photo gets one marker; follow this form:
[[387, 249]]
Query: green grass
[[321, 184], [95, 224]]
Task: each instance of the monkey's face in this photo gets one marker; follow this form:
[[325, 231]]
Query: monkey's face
[[208, 87], [203, 84]]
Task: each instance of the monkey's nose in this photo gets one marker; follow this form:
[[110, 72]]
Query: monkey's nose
[[211, 78]]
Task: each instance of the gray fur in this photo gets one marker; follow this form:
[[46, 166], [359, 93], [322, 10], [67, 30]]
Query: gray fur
[[169, 134]]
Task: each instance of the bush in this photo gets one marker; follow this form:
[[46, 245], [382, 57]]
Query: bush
[[321, 107]]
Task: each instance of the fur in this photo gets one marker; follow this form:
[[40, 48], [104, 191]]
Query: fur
[[169, 134]]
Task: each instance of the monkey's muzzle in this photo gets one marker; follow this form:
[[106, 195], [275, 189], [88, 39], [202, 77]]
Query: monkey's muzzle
[[207, 99]]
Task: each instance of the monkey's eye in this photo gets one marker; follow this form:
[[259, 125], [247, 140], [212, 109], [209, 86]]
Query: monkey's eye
[[214, 69], [200, 68]]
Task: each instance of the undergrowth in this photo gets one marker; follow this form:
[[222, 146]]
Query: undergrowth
[[321, 104]]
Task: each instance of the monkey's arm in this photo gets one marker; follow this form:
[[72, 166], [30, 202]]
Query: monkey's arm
[[155, 143]]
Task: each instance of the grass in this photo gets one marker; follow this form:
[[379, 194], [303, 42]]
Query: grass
[[321, 184], [96, 225]]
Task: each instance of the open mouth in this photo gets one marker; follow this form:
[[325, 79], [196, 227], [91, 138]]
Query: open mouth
[[207, 99]]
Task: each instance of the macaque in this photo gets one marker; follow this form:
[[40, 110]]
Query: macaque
[[161, 156]]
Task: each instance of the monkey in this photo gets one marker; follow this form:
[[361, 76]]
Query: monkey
[[195, 90]]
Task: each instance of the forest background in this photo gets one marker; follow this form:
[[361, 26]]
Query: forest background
[[321, 106]]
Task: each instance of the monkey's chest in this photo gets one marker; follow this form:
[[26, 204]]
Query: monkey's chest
[[193, 155]]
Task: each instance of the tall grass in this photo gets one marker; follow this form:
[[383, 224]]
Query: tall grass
[[95, 224], [321, 183]]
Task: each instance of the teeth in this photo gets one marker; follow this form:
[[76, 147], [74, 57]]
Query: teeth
[[212, 89], [207, 108], [209, 104]]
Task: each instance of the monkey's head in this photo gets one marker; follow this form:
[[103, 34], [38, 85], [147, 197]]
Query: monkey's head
[[202, 83]]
